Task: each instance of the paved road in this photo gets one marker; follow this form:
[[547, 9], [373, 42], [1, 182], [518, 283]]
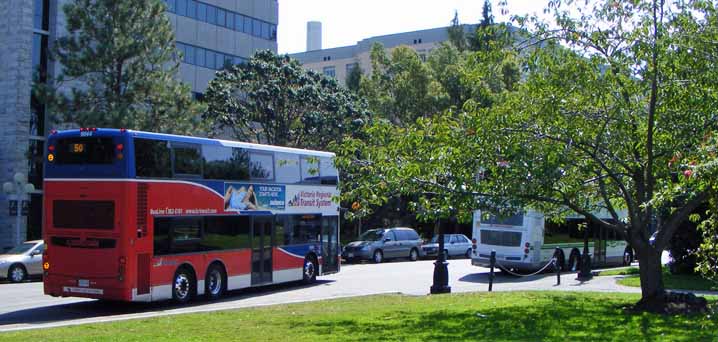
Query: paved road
[[23, 306]]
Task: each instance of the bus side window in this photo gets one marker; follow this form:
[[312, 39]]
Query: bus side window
[[152, 158], [187, 160]]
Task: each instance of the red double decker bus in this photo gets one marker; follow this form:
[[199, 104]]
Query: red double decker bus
[[137, 216]]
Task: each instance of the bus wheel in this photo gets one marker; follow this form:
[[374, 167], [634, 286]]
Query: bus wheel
[[414, 254], [378, 256], [627, 257], [214, 282], [574, 261], [183, 286], [309, 273]]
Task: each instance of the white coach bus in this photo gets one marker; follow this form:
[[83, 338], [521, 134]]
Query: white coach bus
[[526, 242]]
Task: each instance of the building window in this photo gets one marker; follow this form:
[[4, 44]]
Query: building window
[[220, 17], [206, 58], [41, 17], [330, 71], [350, 67]]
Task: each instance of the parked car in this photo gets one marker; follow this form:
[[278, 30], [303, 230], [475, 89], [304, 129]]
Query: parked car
[[23, 261], [456, 245], [382, 244]]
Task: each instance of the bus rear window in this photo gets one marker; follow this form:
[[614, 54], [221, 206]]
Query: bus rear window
[[500, 238], [86, 150], [72, 214]]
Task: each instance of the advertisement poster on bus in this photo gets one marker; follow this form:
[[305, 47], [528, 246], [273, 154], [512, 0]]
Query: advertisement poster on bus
[[303, 199], [245, 196]]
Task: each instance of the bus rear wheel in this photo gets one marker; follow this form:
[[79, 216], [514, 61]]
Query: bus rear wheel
[[183, 286], [214, 282]]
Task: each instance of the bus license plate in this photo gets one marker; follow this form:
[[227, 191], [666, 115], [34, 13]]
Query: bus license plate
[[83, 283], [83, 290]]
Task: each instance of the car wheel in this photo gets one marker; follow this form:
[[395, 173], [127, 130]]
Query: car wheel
[[468, 253], [627, 257], [446, 253], [309, 273], [214, 282], [17, 273], [414, 254], [183, 286], [378, 256]]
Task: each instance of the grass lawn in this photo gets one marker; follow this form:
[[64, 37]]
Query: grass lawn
[[497, 316], [671, 281]]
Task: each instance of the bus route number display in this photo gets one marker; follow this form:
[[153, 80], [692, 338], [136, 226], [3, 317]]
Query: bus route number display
[[77, 148]]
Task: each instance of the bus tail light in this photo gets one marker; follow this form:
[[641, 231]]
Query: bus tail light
[[121, 269]]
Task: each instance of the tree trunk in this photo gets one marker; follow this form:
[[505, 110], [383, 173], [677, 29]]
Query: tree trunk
[[651, 273]]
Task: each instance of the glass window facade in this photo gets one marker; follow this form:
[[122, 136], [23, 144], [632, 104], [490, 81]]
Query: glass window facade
[[330, 71], [207, 58], [221, 17]]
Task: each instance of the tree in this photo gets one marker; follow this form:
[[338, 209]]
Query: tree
[[119, 68], [457, 36], [353, 80], [599, 123], [399, 85], [271, 99]]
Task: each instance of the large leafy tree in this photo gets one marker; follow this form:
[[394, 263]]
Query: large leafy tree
[[271, 99], [119, 67], [602, 122]]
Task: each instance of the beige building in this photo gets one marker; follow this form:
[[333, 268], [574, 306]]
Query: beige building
[[338, 62]]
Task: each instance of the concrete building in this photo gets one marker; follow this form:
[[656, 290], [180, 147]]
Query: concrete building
[[314, 35], [210, 33], [338, 62]]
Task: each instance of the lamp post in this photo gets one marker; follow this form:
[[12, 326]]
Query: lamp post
[[17, 191], [441, 270]]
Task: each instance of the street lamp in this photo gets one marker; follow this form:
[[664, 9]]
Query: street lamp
[[441, 270], [17, 190]]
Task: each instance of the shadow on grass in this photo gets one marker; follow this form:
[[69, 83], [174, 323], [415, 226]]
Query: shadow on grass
[[560, 318], [105, 309]]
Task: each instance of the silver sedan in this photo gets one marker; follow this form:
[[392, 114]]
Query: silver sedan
[[455, 245], [22, 261]]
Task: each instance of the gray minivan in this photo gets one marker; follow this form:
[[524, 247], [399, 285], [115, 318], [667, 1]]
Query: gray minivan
[[381, 244]]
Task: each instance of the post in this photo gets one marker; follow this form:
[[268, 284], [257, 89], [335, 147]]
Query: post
[[18, 220], [557, 266], [584, 272], [492, 263], [441, 271]]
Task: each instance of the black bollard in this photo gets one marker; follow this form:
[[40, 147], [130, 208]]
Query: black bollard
[[492, 263], [557, 266]]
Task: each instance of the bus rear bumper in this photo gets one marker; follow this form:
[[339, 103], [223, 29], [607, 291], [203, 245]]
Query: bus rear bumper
[[519, 265], [63, 286]]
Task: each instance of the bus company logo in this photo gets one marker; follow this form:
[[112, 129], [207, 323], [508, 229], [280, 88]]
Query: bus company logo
[[162, 262], [313, 199]]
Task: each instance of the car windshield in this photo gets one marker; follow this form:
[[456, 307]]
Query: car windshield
[[372, 235], [21, 248], [435, 239]]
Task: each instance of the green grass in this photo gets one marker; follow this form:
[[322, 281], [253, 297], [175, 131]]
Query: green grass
[[619, 271], [670, 281], [498, 316]]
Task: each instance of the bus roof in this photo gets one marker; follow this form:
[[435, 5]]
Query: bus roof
[[193, 140]]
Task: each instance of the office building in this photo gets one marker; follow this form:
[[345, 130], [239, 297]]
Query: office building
[[210, 33]]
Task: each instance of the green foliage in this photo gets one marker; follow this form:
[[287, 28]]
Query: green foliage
[[399, 85], [119, 68], [271, 99], [353, 79], [592, 125], [497, 316], [457, 36]]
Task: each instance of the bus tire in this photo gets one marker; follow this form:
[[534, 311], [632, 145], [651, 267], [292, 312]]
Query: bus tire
[[183, 285], [309, 270], [574, 261], [414, 254], [627, 257], [378, 256], [215, 282]]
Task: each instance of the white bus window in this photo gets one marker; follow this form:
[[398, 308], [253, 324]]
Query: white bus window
[[327, 171], [310, 169], [286, 168], [261, 166]]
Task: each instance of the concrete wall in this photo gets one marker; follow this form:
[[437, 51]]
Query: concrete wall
[[15, 85]]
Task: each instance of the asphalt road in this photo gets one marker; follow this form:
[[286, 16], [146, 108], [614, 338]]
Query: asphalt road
[[24, 306]]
